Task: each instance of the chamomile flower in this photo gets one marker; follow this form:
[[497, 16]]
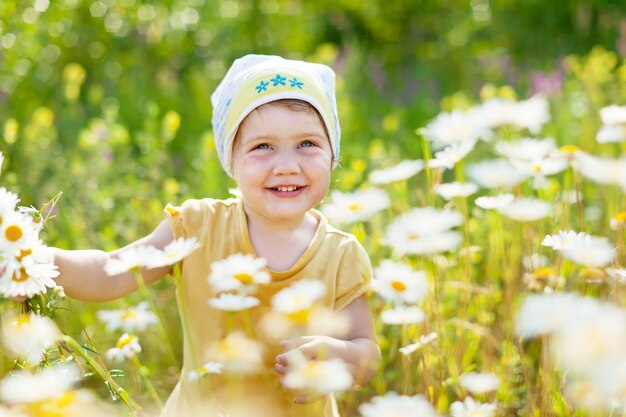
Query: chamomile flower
[[238, 272], [529, 114], [8, 201], [174, 252], [455, 189], [131, 259], [613, 115], [602, 170], [317, 376], [469, 407], [618, 222], [494, 202], [451, 155], [313, 320], [207, 368], [611, 134], [397, 282], [237, 353], [423, 340], [28, 275], [402, 171], [25, 387], [496, 173], [28, 336], [392, 404], [298, 296], [479, 383], [126, 347], [403, 315], [233, 302], [564, 239], [129, 319], [526, 149], [526, 209], [592, 252], [543, 314], [360, 205], [455, 127], [424, 231], [15, 230]]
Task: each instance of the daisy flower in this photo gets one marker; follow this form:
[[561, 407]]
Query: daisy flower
[[238, 272], [526, 149], [15, 230], [451, 155], [526, 209], [126, 347], [397, 282], [455, 127], [25, 387], [602, 170], [424, 231], [424, 340], [174, 252], [456, 189], [529, 114], [402, 171], [479, 383], [564, 239], [392, 404], [618, 222], [472, 408], [592, 252], [131, 259], [360, 205], [611, 134], [496, 173], [128, 319], [298, 296], [8, 201], [237, 353], [613, 115], [28, 275], [317, 376], [29, 335], [233, 302], [403, 315], [494, 202], [207, 368], [314, 320]]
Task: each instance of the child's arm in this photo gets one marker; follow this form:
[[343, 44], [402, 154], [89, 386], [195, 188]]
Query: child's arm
[[358, 349], [82, 272]]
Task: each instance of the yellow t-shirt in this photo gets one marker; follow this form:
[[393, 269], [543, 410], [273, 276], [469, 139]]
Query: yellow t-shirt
[[333, 257]]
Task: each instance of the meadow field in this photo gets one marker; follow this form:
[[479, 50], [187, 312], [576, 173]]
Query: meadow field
[[484, 172]]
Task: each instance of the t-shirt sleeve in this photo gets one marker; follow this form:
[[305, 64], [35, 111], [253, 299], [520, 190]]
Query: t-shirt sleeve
[[174, 215], [354, 277]]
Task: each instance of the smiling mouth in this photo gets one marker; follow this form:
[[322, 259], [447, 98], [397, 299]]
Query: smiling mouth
[[288, 188]]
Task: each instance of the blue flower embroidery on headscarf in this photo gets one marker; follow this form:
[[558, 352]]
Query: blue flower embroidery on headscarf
[[278, 80], [295, 83], [262, 86]]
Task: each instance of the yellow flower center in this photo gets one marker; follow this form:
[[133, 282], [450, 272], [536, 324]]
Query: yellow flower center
[[23, 254], [55, 407], [412, 236], [354, 207], [124, 341], [23, 276], [620, 219], [202, 370], [300, 316], [13, 233], [244, 278], [21, 320], [311, 369], [569, 149], [398, 286], [128, 315], [542, 272]]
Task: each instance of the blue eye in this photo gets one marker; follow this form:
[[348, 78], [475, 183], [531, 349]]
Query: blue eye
[[262, 146], [307, 144]]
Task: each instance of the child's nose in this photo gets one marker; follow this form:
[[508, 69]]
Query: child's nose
[[286, 164]]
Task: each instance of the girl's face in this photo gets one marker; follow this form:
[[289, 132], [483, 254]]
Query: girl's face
[[282, 162]]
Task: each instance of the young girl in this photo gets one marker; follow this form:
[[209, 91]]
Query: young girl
[[277, 134]]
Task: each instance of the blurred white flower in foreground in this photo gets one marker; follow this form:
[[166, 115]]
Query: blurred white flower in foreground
[[237, 353], [479, 383], [602, 170], [424, 231], [29, 273], [494, 202], [174, 252], [529, 114], [526, 209], [613, 128], [233, 302], [360, 205], [424, 340], [399, 283], [131, 259], [455, 189], [29, 335], [207, 368], [238, 272], [392, 404], [126, 347], [451, 155], [316, 376], [129, 319], [564, 239], [526, 149], [496, 173], [25, 387], [403, 315], [299, 296], [402, 171], [472, 408], [591, 252]]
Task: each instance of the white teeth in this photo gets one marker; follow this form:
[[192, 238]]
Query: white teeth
[[289, 188]]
